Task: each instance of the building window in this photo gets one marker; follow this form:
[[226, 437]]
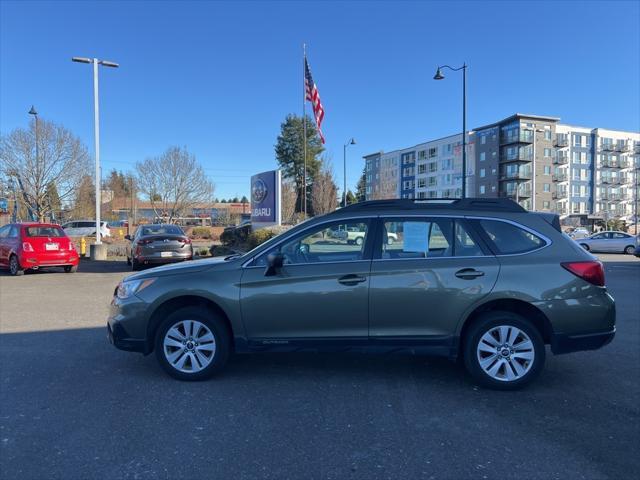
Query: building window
[[482, 156], [482, 188], [433, 152], [577, 140], [422, 168], [547, 170], [483, 173], [547, 152], [422, 154], [483, 139], [433, 166], [422, 182], [546, 205], [547, 133], [546, 187], [446, 164]]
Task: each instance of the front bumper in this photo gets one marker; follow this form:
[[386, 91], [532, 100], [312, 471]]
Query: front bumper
[[127, 325], [118, 338], [561, 343]]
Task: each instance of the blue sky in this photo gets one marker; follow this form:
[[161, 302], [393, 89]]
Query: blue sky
[[220, 77]]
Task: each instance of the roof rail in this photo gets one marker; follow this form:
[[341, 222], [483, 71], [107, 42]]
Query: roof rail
[[482, 204]]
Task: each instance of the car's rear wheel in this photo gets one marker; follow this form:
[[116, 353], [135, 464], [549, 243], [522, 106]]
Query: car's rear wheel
[[14, 266], [629, 250], [502, 350], [70, 268], [192, 344], [390, 241], [585, 246], [135, 265], [359, 241]]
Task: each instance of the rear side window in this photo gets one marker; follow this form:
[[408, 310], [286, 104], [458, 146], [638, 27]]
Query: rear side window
[[510, 239]]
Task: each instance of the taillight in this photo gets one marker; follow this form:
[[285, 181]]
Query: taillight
[[185, 240], [144, 241], [591, 271], [26, 247], [72, 246]]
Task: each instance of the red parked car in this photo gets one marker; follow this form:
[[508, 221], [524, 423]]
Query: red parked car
[[25, 246]]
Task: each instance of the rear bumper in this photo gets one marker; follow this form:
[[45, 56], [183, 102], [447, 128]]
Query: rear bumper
[[49, 260], [561, 343]]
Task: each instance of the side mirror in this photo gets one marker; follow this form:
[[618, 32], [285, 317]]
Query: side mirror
[[127, 237], [274, 263]]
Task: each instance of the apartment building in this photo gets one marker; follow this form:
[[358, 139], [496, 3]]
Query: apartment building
[[427, 170], [582, 173]]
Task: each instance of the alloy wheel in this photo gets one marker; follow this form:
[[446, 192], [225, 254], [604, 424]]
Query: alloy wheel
[[189, 346], [505, 353]]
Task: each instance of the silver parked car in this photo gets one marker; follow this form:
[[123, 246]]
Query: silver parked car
[[158, 244], [612, 242], [85, 228]]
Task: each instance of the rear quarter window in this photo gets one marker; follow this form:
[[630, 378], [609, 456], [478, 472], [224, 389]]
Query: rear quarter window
[[507, 238]]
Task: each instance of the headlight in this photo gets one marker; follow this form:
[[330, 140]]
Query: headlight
[[127, 288]]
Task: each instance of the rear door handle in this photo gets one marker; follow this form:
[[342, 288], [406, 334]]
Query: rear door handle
[[469, 273], [351, 279]]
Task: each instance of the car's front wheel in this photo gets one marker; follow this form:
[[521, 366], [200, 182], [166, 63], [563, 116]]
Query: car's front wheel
[[585, 246], [504, 351], [193, 343]]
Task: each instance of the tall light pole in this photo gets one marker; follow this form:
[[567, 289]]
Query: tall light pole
[[344, 160], [35, 115], [440, 76], [105, 63]]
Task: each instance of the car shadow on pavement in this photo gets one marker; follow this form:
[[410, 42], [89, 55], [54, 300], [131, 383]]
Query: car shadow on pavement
[[85, 266]]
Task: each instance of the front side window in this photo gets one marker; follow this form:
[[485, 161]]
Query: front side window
[[508, 238], [336, 242]]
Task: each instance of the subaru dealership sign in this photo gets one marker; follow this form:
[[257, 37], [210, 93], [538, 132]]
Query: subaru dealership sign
[[265, 199]]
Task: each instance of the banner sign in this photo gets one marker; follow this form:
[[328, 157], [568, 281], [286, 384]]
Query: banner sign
[[265, 199]]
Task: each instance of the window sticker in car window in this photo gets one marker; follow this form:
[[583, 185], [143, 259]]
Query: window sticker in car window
[[416, 237]]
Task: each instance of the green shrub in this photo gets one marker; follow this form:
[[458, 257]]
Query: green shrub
[[227, 237], [259, 236], [201, 232]]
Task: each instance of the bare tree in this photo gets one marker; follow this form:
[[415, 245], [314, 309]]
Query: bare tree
[[61, 163], [324, 192], [173, 182], [289, 195]]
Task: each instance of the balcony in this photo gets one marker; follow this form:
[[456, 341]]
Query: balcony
[[607, 147], [609, 164], [560, 177], [561, 160], [561, 141], [522, 193], [524, 136], [519, 156], [515, 176], [609, 180], [636, 148], [559, 195], [622, 147]]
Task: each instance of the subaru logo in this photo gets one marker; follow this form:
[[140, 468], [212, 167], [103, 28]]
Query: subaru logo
[[258, 191]]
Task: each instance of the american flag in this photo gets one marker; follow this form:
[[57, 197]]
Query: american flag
[[313, 96]]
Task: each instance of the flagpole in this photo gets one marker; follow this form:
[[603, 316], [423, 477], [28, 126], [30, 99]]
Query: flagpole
[[304, 130]]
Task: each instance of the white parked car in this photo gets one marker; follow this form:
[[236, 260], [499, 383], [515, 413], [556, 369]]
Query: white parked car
[[85, 228], [614, 242], [579, 233]]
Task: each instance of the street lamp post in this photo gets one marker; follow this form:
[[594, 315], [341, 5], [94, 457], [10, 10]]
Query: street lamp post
[[95, 63], [35, 115], [440, 76], [344, 160]]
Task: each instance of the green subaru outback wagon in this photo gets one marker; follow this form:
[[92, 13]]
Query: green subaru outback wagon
[[481, 280]]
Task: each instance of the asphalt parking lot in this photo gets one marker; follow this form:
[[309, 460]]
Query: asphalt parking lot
[[73, 407]]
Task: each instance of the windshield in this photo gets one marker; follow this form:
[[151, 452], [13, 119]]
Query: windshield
[[44, 232], [162, 230]]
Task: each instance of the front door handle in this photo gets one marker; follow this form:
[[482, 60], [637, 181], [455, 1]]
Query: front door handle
[[351, 279], [469, 273]]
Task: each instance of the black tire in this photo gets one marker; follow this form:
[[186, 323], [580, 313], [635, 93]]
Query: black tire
[[135, 266], [390, 241], [220, 332], [585, 246], [484, 324], [70, 269], [128, 261], [14, 266], [629, 249], [359, 241]]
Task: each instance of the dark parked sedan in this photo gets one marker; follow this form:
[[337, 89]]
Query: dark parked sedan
[[158, 244]]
